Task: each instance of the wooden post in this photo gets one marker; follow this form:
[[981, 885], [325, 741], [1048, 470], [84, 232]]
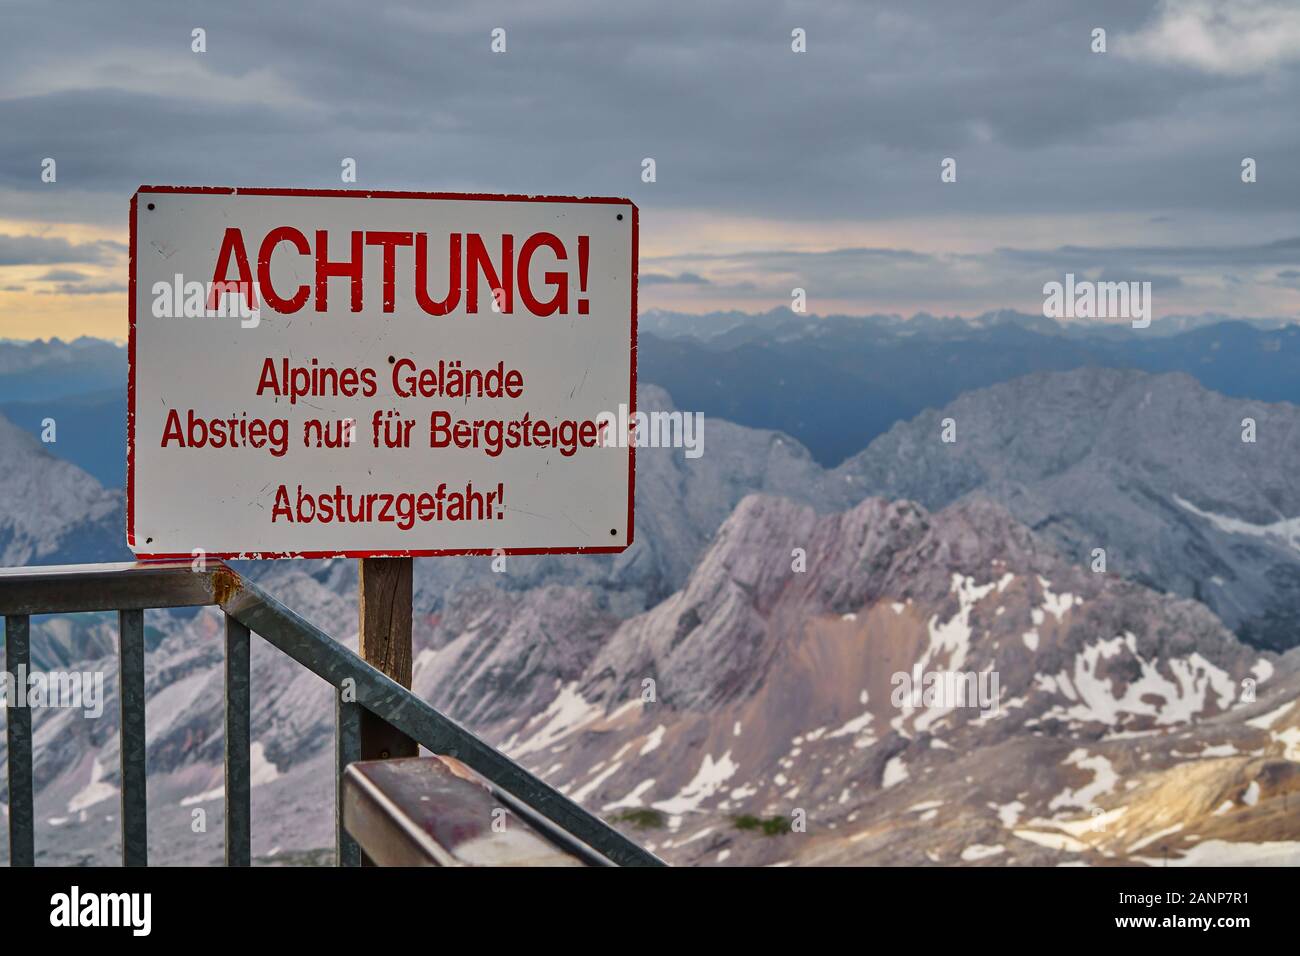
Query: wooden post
[[385, 644]]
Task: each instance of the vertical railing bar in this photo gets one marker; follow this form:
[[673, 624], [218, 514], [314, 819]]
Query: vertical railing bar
[[130, 698], [347, 749], [239, 833], [18, 731]]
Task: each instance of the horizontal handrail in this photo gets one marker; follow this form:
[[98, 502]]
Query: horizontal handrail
[[425, 811], [135, 587], [80, 588]]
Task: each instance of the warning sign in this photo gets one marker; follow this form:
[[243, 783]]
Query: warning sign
[[322, 373]]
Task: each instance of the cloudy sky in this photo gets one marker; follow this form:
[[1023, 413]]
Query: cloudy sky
[[775, 169]]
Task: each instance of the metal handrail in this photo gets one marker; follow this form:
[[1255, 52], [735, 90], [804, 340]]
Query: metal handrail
[[427, 811], [131, 588]]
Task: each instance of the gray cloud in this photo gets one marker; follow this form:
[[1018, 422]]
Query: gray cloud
[[739, 126], [856, 126], [45, 250], [1002, 276], [68, 288], [1278, 252], [664, 278]]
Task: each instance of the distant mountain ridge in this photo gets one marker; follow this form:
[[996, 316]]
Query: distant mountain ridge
[[836, 384], [91, 430], [52, 512], [773, 685], [1151, 468], [81, 385], [832, 382], [51, 368], [783, 321]]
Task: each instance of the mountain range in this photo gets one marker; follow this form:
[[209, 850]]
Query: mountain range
[[728, 689], [52, 512], [775, 702], [837, 383], [1126, 725], [1153, 469], [834, 383]]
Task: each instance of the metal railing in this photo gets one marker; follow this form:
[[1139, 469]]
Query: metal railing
[[130, 589], [427, 811]]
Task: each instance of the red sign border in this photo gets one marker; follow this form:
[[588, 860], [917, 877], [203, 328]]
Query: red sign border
[[366, 194]]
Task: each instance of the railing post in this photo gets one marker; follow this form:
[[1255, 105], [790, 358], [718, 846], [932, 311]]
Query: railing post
[[384, 642], [238, 712], [347, 750], [130, 700], [18, 731]]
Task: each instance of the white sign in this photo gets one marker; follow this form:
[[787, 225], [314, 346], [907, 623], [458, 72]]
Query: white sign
[[321, 373]]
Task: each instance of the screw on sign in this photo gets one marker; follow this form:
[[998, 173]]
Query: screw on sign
[[379, 375]]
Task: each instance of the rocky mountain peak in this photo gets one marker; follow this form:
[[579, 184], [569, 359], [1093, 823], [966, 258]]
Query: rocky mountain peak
[[51, 510]]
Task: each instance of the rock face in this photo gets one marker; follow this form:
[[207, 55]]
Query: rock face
[[680, 503], [1152, 468], [775, 690], [780, 700], [494, 654], [744, 670], [52, 512]]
